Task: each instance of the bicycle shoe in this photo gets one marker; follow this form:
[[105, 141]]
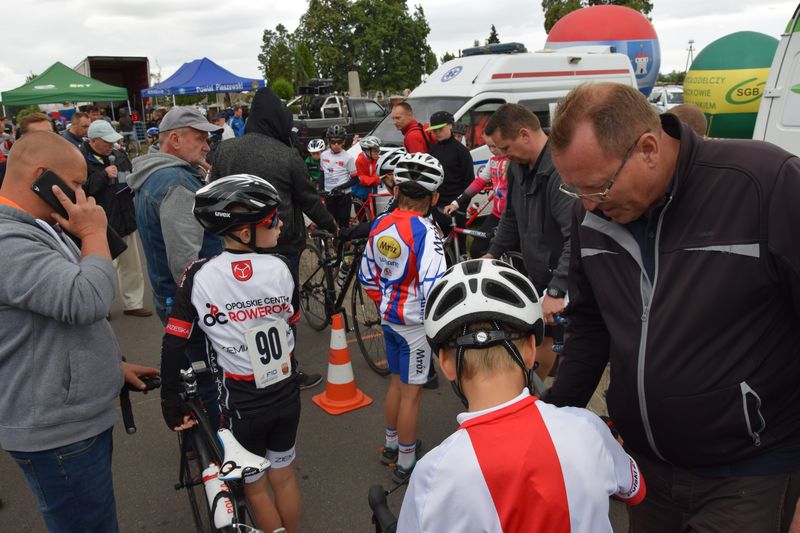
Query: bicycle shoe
[[306, 381], [389, 455], [400, 475]]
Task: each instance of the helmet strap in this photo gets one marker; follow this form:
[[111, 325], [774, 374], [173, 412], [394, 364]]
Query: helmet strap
[[252, 243]]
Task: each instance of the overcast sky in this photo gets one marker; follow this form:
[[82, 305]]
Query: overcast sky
[[170, 32]]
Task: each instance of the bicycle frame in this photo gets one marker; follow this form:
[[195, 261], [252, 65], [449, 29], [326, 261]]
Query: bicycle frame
[[334, 303]]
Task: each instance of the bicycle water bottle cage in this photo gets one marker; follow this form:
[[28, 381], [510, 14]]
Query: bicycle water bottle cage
[[238, 462]]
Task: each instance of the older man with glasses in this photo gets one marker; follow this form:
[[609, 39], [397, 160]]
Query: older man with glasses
[[537, 216], [685, 275]]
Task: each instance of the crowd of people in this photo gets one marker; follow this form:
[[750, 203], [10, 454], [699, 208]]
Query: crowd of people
[[671, 257]]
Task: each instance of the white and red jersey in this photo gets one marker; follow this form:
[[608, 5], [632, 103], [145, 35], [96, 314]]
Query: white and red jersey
[[337, 169], [225, 296], [521, 466], [402, 260]]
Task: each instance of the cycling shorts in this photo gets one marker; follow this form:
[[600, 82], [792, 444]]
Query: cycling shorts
[[408, 352], [270, 433]]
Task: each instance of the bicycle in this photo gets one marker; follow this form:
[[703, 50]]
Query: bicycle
[[212, 467], [383, 518], [321, 265]]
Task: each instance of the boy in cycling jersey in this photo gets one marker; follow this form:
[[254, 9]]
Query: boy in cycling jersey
[[402, 260], [515, 463], [338, 168], [244, 301]]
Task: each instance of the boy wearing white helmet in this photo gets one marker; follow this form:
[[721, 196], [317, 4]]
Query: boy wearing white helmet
[[402, 260], [515, 463], [315, 149]]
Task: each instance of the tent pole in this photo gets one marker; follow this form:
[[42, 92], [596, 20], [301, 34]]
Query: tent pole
[[4, 109], [112, 111], [173, 101]]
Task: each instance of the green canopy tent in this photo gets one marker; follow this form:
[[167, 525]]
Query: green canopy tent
[[59, 83]]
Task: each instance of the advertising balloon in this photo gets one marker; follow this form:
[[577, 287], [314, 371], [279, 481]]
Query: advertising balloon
[[727, 80], [625, 30]]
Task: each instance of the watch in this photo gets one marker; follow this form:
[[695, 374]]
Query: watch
[[552, 292]]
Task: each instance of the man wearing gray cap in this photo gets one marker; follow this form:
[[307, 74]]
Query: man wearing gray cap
[[165, 183], [107, 170]]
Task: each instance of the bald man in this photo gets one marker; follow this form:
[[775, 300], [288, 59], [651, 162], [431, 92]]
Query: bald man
[[60, 365]]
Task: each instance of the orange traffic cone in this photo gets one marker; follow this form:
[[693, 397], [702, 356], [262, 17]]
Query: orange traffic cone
[[341, 394]]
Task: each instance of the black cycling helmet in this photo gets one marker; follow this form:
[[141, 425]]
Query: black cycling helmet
[[337, 131], [254, 199]]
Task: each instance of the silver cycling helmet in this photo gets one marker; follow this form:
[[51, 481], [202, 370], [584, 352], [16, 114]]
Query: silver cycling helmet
[[388, 161], [369, 142], [316, 145], [420, 168]]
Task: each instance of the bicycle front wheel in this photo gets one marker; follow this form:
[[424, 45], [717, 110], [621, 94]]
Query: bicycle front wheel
[[368, 329], [515, 260], [312, 288]]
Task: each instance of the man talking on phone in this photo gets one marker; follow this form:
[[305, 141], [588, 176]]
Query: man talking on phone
[[60, 364]]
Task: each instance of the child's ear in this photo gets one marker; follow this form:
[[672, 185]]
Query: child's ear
[[395, 191], [447, 362], [529, 351], [245, 235], [435, 198]]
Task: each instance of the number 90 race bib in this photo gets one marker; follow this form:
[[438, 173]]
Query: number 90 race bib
[[269, 352]]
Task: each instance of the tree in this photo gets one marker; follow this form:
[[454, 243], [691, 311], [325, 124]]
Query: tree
[[277, 57], [447, 57], [493, 37], [30, 76], [327, 30], [555, 9], [675, 77], [282, 88]]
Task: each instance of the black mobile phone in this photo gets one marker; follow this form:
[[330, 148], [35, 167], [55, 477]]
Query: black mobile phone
[[43, 187]]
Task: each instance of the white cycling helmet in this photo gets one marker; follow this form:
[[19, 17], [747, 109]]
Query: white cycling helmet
[[420, 168], [316, 145], [370, 141], [388, 160], [482, 291]]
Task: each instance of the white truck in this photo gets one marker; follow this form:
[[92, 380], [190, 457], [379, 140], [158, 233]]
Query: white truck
[[778, 118], [472, 87]]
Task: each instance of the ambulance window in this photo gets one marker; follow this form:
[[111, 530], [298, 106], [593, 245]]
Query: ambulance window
[[475, 121], [540, 108]]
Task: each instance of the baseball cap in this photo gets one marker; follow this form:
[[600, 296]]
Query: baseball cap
[[440, 119], [100, 129], [186, 117]]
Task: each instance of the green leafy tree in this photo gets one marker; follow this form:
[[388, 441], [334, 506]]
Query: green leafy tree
[[327, 30], [283, 88], [447, 57], [555, 9], [493, 37], [30, 76], [675, 77], [277, 57], [304, 68]]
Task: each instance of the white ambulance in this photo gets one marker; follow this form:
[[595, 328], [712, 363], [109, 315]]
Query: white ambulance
[[779, 113], [474, 86]]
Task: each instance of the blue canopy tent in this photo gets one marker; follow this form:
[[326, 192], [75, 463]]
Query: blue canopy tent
[[202, 76]]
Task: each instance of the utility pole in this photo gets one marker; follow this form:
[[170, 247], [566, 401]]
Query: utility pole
[[689, 55]]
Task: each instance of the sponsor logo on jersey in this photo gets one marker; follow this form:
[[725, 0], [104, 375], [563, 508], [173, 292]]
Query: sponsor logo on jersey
[[179, 328], [214, 317], [389, 247], [242, 270]]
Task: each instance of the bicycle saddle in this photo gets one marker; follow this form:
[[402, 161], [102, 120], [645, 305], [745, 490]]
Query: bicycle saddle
[[238, 462]]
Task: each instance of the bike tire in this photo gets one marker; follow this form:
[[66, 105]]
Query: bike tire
[[449, 257], [312, 288], [514, 259], [368, 329], [193, 485]]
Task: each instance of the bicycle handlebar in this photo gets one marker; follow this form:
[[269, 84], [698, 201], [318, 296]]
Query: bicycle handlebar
[[321, 234], [151, 383], [382, 516]]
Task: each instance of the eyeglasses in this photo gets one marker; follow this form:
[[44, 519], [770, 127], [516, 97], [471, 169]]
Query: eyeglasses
[[270, 222], [335, 141], [602, 196]]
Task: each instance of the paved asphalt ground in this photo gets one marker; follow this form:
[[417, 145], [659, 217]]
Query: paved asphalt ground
[[337, 455]]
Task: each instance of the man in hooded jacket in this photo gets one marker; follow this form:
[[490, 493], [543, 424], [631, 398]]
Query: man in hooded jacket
[[266, 150]]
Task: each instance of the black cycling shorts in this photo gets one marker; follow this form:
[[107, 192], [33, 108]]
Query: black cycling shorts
[[273, 430]]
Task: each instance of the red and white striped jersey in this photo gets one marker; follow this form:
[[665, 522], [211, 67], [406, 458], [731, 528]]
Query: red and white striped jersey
[[523, 466]]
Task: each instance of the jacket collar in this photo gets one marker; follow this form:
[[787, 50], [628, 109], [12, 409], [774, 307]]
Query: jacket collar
[[411, 125]]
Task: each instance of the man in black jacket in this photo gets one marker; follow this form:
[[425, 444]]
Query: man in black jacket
[[457, 165], [107, 171], [537, 216], [685, 274], [265, 150]]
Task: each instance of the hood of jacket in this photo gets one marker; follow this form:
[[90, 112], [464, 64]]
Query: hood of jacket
[[147, 164], [269, 116]]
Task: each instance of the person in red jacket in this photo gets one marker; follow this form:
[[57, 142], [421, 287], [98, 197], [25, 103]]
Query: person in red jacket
[[366, 167], [414, 137]]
